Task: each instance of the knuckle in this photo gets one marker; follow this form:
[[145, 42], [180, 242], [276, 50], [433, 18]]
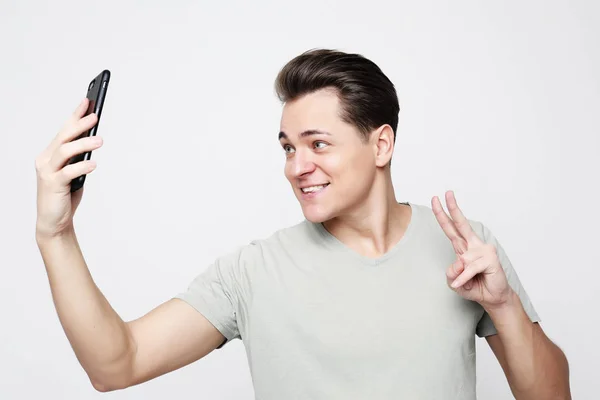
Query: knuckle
[[38, 164], [61, 151], [79, 145], [41, 168], [68, 149], [84, 143], [63, 173], [65, 131], [91, 141]]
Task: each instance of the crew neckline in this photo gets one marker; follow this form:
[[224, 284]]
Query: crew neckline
[[334, 243]]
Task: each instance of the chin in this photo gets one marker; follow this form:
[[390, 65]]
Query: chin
[[317, 213]]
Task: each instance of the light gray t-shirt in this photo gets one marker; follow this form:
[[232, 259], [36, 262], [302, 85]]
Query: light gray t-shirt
[[320, 321]]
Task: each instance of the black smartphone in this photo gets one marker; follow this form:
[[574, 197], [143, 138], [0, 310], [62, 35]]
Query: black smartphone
[[96, 93]]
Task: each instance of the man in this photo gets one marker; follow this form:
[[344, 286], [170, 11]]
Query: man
[[367, 297]]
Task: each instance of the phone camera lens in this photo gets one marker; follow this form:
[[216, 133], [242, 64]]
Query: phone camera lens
[[91, 85]]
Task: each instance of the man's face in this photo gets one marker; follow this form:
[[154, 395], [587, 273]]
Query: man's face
[[329, 166]]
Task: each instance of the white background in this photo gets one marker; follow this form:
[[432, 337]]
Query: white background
[[499, 101]]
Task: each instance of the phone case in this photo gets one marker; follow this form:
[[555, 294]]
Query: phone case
[[96, 93]]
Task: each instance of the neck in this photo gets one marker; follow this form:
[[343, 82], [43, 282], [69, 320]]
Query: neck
[[376, 224]]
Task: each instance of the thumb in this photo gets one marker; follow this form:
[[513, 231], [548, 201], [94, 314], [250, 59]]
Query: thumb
[[454, 270]]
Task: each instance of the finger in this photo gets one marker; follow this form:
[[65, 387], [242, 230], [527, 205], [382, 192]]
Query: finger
[[80, 109], [67, 134], [66, 151], [460, 221], [74, 129], [470, 271], [76, 115], [72, 171], [473, 254], [444, 220], [454, 270]]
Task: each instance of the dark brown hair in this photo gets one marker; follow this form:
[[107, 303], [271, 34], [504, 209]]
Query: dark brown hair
[[368, 98]]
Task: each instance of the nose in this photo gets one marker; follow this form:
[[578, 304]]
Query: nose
[[301, 164]]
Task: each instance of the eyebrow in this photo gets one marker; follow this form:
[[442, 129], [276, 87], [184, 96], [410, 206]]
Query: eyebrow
[[308, 132]]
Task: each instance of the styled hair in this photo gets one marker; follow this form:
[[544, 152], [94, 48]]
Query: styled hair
[[367, 97]]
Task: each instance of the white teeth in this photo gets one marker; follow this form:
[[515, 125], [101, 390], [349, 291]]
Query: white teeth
[[313, 188]]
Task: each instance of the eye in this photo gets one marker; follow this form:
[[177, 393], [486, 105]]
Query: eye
[[320, 144], [287, 148]]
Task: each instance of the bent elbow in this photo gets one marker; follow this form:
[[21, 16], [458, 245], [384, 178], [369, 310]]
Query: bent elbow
[[100, 387], [103, 387], [109, 384]]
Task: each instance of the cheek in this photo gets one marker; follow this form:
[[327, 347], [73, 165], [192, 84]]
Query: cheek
[[353, 165], [333, 164], [287, 171], [356, 173]]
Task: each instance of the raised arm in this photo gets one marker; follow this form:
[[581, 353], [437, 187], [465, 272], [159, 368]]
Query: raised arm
[[115, 354]]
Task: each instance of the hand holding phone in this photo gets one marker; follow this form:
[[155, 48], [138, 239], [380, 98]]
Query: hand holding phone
[[62, 166]]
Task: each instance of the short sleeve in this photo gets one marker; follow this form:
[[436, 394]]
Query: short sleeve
[[213, 293], [485, 326]]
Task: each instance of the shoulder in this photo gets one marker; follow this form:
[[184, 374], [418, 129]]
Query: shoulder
[[295, 231], [256, 250], [286, 240]]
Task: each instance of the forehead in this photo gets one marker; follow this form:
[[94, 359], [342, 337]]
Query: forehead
[[311, 111]]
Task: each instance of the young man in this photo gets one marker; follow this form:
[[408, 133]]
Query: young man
[[367, 297]]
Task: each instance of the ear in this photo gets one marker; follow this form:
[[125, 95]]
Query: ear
[[384, 145]]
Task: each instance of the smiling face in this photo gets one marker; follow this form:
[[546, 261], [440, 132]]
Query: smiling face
[[330, 167]]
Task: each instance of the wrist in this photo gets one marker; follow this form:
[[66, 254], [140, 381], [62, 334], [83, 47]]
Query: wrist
[[509, 315], [43, 236], [510, 303]]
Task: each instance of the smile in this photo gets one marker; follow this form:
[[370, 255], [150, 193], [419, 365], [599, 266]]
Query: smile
[[314, 189]]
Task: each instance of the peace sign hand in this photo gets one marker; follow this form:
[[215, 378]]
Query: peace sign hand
[[476, 274]]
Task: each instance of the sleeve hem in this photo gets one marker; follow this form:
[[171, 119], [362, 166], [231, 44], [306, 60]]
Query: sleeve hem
[[490, 330], [203, 309]]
